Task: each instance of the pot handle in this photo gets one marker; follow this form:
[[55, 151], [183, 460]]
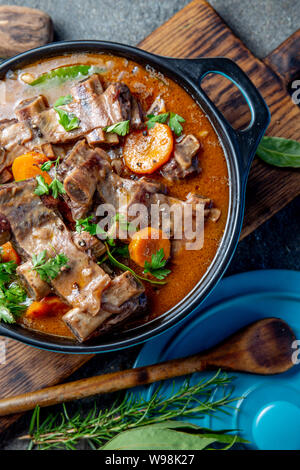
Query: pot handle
[[246, 139]]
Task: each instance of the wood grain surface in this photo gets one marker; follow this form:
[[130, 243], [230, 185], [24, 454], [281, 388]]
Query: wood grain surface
[[196, 31]]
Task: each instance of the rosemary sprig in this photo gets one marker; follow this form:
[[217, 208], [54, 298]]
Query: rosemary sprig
[[60, 431]]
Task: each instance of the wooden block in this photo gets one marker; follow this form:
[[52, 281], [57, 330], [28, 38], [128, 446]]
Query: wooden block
[[23, 28]]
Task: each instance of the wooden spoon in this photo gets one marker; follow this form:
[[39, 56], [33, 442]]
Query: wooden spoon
[[264, 347]]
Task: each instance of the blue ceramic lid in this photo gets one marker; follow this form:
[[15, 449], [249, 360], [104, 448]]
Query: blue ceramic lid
[[269, 415]]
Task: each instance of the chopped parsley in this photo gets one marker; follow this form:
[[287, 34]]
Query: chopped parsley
[[120, 128], [56, 187], [49, 268], [68, 121], [154, 118], [46, 166], [173, 123], [42, 186], [12, 295], [87, 226], [157, 265]]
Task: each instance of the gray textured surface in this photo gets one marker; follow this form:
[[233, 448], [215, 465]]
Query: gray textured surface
[[262, 26]]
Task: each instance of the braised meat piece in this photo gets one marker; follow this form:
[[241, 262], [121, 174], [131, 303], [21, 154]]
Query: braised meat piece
[[5, 230], [27, 109], [94, 108], [158, 106], [80, 173], [35, 286], [37, 228], [83, 283], [136, 119], [184, 162], [124, 298], [88, 243], [13, 137]]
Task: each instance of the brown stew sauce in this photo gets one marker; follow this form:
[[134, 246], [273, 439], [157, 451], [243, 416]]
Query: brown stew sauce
[[146, 85]]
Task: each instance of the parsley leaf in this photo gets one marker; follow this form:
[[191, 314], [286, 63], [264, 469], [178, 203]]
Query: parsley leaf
[[42, 187], [174, 123], [94, 229], [153, 119], [5, 314], [125, 268], [55, 186], [68, 121], [120, 128], [157, 265], [87, 226], [62, 100], [46, 166], [6, 271], [49, 268], [12, 295]]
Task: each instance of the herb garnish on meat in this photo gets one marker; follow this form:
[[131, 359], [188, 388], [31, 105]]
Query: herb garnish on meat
[[49, 268], [56, 187], [120, 128], [68, 121], [85, 225]]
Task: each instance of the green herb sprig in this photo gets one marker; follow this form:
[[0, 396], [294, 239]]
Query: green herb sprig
[[120, 128], [50, 268], [157, 265], [123, 267], [56, 187], [100, 428], [85, 225], [174, 121], [68, 121], [13, 296], [154, 118]]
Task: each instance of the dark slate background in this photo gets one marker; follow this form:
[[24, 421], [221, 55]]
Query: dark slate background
[[262, 26]]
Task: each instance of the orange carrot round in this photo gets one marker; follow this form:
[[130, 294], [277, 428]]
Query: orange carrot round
[[147, 242], [8, 253], [28, 166], [144, 154], [48, 306]]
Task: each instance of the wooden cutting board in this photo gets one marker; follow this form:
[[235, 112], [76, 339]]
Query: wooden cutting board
[[195, 31]]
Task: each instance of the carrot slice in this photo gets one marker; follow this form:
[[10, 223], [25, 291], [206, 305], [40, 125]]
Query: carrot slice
[[48, 306], [8, 253], [147, 242], [144, 154], [28, 166]]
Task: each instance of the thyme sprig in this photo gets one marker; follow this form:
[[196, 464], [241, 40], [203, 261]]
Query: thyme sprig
[[61, 431]]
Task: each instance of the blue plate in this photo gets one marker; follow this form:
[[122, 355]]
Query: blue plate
[[269, 415]]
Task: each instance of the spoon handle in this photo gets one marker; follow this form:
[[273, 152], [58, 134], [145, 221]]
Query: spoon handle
[[106, 383]]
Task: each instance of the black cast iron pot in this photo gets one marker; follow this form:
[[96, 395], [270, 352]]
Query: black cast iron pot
[[239, 148]]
